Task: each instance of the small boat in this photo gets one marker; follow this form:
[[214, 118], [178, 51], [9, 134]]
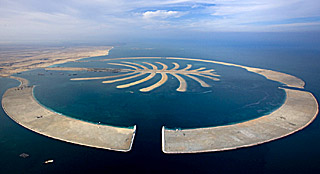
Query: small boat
[[48, 161], [24, 155], [206, 92]]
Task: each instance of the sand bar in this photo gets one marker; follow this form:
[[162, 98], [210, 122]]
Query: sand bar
[[298, 111], [136, 68], [130, 66], [125, 78], [20, 105], [103, 77], [163, 79], [183, 84], [201, 82], [287, 79], [136, 64], [154, 67], [137, 82], [174, 71], [113, 70], [176, 66], [186, 68], [164, 66]]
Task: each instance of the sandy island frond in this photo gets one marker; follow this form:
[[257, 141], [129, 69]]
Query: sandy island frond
[[138, 70]]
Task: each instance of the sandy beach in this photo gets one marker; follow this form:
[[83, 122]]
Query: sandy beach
[[298, 111], [21, 106], [140, 70]]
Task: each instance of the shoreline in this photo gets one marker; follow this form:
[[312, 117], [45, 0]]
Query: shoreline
[[244, 134], [210, 139], [21, 106], [298, 111], [16, 62], [287, 79]]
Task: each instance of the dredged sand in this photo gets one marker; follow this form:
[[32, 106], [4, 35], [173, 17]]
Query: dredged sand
[[163, 79], [140, 70], [137, 82], [298, 111], [183, 84], [20, 105], [288, 80], [87, 69]]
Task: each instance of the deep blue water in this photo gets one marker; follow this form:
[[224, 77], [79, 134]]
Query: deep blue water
[[231, 100]]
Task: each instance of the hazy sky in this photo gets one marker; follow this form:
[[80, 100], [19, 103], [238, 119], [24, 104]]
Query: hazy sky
[[104, 19]]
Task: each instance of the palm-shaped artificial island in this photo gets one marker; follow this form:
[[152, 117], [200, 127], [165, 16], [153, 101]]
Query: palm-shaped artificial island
[[298, 111], [137, 70]]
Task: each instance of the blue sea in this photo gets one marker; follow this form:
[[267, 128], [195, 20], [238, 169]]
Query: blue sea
[[237, 97]]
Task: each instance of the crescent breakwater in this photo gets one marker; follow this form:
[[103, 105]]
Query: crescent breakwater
[[288, 80], [20, 105], [298, 111]]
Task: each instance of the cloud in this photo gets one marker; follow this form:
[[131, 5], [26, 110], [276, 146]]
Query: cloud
[[75, 19], [162, 14], [249, 11]]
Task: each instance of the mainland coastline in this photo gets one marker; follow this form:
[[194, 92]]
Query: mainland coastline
[[25, 59]]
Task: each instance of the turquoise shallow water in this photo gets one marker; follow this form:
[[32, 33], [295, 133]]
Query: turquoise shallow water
[[237, 97]]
